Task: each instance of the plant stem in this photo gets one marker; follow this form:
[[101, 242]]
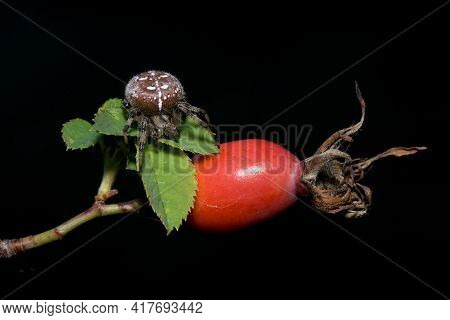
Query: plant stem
[[112, 161], [9, 248], [111, 167]]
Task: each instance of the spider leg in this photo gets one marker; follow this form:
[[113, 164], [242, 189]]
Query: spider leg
[[193, 112], [142, 139], [170, 126], [127, 127], [176, 118], [158, 127], [131, 118], [143, 132], [125, 103], [197, 119]]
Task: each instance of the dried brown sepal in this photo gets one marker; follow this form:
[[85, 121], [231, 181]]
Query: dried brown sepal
[[332, 176], [344, 135]]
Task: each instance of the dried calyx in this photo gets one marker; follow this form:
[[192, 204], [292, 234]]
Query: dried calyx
[[332, 177]]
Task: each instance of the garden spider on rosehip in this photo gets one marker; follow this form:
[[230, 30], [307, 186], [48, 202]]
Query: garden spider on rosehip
[[157, 102]]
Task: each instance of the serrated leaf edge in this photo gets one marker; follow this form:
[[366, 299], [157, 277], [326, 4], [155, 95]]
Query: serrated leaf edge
[[65, 141], [180, 147], [191, 206], [132, 133]]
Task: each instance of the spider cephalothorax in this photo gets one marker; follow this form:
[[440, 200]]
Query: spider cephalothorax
[[157, 102]]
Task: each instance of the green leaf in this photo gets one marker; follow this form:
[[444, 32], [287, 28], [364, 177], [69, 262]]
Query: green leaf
[[171, 143], [78, 134], [111, 118], [169, 180], [194, 138]]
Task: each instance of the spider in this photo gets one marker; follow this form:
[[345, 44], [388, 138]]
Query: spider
[[157, 102]]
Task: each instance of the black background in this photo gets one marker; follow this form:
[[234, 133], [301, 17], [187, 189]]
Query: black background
[[243, 66]]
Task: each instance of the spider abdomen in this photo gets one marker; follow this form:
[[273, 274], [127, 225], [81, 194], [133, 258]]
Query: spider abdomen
[[154, 91], [155, 100]]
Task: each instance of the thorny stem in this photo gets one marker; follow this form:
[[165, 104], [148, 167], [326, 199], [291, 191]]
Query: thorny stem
[[11, 247]]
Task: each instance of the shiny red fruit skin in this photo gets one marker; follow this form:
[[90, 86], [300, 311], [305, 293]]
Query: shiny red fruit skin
[[247, 182]]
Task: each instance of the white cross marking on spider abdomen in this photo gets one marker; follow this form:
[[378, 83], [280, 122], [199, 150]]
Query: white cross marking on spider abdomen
[[159, 95], [159, 88]]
